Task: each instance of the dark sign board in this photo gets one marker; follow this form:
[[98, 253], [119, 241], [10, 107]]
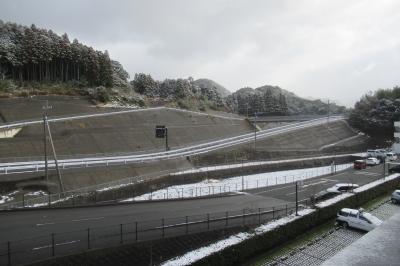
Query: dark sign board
[[160, 131]]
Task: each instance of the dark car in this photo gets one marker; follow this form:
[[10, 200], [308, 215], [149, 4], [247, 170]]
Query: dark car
[[323, 195], [395, 169]]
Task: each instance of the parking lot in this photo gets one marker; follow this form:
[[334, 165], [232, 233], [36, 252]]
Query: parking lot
[[327, 243]]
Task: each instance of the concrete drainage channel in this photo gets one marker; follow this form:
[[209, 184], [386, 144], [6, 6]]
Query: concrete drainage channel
[[327, 244]]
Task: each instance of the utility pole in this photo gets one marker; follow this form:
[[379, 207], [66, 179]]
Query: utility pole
[[255, 133], [45, 108], [329, 111], [55, 159], [166, 139], [297, 201]]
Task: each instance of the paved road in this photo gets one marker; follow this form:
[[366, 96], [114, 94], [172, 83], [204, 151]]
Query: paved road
[[104, 221]]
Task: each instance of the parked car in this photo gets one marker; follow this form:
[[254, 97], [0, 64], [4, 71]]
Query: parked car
[[396, 196], [342, 187], [357, 219], [394, 169], [359, 164], [377, 153], [324, 194], [371, 161], [391, 156]]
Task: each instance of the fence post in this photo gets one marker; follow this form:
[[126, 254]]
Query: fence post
[[244, 211], [187, 225], [9, 253], [88, 238], [208, 221], [273, 212], [136, 231], [49, 199], [259, 215], [120, 230], [226, 219], [52, 245], [286, 209], [163, 230]]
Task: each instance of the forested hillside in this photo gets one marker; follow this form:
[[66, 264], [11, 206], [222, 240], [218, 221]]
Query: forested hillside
[[33, 54], [272, 100], [375, 113]]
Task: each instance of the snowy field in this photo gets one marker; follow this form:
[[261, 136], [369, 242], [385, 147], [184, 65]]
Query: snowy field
[[236, 184]]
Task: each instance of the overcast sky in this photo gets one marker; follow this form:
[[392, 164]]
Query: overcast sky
[[337, 49]]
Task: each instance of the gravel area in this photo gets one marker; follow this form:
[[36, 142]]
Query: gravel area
[[324, 246]]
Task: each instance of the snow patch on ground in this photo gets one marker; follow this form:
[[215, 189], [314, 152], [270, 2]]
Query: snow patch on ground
[[36, 193], [236, 184], [357, 190], [203, 252], [376, 183], [8, 197]]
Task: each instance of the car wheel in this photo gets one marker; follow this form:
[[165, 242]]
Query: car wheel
[[345, 225], [394, 201]]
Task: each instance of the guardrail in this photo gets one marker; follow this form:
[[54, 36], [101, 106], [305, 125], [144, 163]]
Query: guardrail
[[38, 166], [54, 244]]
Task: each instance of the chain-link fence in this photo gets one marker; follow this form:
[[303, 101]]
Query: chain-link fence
[[64, 243]]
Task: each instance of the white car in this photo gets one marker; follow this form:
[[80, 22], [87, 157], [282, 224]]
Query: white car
[[342, 187], [357, 219], [372, 161], [391, 156]]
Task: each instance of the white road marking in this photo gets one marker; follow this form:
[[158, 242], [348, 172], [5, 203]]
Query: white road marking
[[59, 244], [273, 189], [295, 192], [44, 224], [317, 183], [367, 173], [88, 219]]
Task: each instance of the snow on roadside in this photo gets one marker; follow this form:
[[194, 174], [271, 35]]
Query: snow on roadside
[[245, 164], [357, 190], [8, 197], [376, 183], [203, 252], [236, 184]]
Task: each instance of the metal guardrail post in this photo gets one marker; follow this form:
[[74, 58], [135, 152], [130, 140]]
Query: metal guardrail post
[[273, 212], [121, 234], [208, 221], [163, 228], [286, 209], [244, 217], [49, 199], [88, 238], [187, 224], [53, 246], [9, 253], [136, 231], [226, 219], [259, 215]]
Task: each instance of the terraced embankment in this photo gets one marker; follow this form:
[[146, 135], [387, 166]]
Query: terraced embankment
[[133, 132]]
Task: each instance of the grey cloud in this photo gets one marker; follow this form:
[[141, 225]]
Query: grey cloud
[[314, 48]]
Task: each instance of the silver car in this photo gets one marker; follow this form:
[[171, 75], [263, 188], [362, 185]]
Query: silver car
[[396, 196]]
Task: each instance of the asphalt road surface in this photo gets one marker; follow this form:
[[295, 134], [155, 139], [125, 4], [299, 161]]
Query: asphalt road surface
[[30, 232]]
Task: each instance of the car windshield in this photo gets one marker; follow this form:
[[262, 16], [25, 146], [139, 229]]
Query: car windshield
[[371, 218]]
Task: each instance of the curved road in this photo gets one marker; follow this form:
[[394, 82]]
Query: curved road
[[37, 166]]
